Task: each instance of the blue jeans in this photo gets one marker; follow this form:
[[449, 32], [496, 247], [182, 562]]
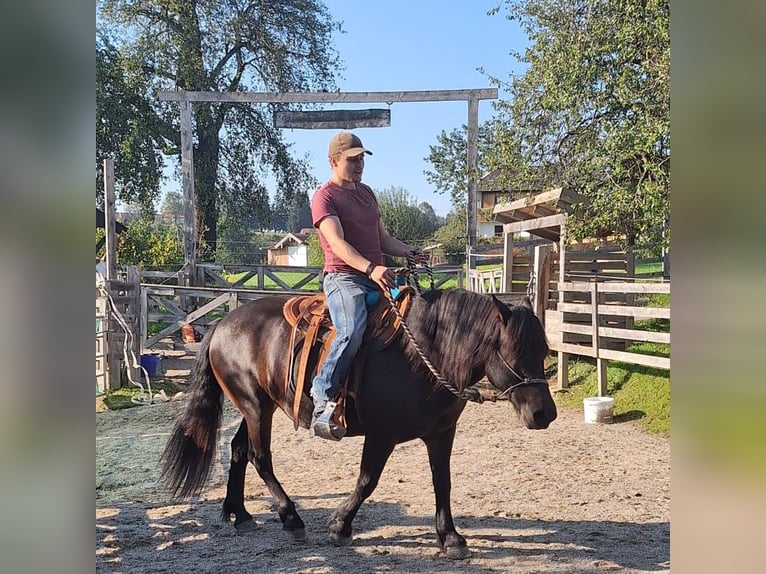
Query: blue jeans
[[345, 293]]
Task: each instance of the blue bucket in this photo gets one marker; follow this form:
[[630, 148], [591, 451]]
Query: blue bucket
[[151, 363]]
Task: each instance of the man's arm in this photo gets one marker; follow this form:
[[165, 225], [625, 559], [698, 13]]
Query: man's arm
[[332, 230]]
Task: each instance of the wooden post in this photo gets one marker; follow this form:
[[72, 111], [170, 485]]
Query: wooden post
[[630, 298], [143, 322], [507, 286], [600, 363], [472, 145], [112, 346], [563, 358], [133, 317], [542, 276], [187, 184], [109, 220]]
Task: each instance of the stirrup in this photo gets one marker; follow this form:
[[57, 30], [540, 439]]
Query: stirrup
[[324, 427]]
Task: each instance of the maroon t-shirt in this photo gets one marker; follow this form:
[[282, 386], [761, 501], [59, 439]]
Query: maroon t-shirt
[[358, 212]]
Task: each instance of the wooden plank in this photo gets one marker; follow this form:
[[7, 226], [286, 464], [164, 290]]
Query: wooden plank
[[617, 287], [637, 359], [190, 318], [596, 266], [169, 305], [635, 335], [571, 349], [618, 310], [563, 370], [533, 224], [322, 97], [158, 274], [217, 279], [276, 279], [305, 280], [333, 119], [245, 278], [552, 195]]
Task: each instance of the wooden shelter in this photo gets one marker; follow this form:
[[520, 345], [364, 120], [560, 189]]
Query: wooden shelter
[[292, 250], [567, 314]]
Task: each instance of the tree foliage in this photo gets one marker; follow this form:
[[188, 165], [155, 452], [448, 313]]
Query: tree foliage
[[402, 216], [224, 45], [452, 236], [592, 111], [148, 244], [172, 208], [450, 166], [126, 130]]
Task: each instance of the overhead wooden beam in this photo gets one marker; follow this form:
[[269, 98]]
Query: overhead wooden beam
[[532, 224], [324, 97], [333, 119]]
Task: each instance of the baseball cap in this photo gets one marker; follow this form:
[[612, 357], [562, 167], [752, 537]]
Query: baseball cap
[[347, 144]]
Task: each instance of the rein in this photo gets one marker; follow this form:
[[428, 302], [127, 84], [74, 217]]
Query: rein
[[470, 393]]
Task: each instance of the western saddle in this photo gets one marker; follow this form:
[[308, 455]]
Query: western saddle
[[313, 332]]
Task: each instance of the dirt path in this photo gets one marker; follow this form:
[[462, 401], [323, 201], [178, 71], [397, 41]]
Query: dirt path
[[573, 498]]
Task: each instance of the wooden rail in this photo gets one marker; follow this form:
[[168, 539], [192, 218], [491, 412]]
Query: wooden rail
[[175, 305], [588, 321]]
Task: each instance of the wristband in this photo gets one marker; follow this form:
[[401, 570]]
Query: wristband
[[369, 269]]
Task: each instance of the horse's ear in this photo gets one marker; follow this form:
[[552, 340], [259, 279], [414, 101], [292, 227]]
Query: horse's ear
[[502, 309], [527, 302]]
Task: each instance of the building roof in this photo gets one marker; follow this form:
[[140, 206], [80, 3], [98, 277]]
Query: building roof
[[297, 238], [537, 214]]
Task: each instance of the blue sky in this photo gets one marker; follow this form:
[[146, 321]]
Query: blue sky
[[411, 45]]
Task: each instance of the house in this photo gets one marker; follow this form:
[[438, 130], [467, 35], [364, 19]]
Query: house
[[489, 193], [292, 250]]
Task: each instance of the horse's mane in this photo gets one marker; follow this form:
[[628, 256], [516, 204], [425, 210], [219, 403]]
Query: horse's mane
[[455, 329], [459, 330]]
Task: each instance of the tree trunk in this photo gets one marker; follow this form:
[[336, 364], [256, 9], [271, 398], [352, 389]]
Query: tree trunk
[[205, 177]]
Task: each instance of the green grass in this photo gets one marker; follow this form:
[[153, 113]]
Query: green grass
[[647, 268], [640, 393], [123, 398]]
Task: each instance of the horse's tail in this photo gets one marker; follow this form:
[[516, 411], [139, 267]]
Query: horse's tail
[[188, 455]]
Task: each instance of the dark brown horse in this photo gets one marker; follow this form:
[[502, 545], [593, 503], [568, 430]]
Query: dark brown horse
[[464, 335]]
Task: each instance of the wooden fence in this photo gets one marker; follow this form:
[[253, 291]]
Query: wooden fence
[[589, 318], [589, 322], [162, 300]]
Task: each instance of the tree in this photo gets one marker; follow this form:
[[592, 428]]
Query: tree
[[450, 165], [402, 217], [126, 130], [172, 208], [225, 45], [452, 236], [431, 221], [592, 112], [150, 245]]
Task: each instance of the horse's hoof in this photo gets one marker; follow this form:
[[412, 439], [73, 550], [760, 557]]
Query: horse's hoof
[[246, 527], [457, 552], [340, 540], [297, 535]]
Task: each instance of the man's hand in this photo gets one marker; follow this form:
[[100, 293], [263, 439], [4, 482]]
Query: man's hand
[[383, 276]]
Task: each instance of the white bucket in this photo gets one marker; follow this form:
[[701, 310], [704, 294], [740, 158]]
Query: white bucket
[[598, 409]]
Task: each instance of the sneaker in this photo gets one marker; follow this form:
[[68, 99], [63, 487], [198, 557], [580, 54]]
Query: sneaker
[[322, 425]]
